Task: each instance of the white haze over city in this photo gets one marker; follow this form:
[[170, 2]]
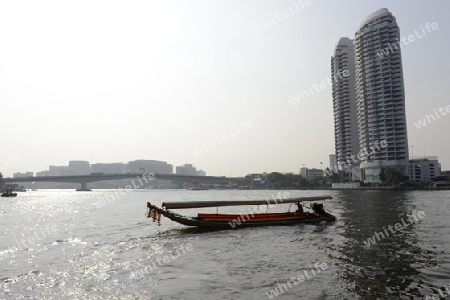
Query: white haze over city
[[115, 81]]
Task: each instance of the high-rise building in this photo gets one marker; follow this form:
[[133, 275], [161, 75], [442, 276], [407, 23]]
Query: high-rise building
[[332, 160], [380, 96], [344, 106]]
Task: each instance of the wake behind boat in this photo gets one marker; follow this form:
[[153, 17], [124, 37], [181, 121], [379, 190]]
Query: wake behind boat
[[250, 219]]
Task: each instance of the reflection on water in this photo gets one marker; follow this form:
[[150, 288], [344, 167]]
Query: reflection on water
[[392, 267], [114, 251]]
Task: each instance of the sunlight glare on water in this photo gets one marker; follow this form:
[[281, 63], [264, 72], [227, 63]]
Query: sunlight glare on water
[[60, 244]]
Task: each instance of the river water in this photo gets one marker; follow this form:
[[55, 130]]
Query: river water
[[61, 244]]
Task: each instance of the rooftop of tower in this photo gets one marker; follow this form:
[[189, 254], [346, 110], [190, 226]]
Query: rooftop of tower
[[375, 15], [344, 41]]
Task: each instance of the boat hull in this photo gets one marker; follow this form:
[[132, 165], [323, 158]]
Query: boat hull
[[8, 193], [230, 221]]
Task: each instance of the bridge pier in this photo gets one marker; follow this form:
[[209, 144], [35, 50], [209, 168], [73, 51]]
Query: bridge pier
[[84, 187]]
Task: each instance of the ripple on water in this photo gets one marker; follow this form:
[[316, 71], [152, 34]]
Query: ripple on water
[[95, 252]]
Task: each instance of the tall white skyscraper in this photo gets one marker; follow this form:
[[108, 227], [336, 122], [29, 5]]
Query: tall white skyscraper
[[380, 95], [344, 106], [369, 103]]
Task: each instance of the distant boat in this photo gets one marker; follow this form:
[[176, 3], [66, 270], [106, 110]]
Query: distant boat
[[8, 193], [197, 189], [235, 221]]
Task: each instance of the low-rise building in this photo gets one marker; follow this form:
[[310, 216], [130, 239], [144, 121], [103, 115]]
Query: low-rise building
[[109, 168], [59, 171], [79, 167], [190, 170], [149, 166], [42, 173], [424, 169], [23, 175], [314, 173], [309, 174]]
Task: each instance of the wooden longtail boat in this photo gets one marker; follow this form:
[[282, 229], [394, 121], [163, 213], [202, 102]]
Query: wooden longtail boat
[[234, 221]]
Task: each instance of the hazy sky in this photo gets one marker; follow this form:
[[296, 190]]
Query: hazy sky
[[114, 81]]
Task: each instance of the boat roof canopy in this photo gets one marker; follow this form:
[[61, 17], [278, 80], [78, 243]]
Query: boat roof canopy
[[199, 204]]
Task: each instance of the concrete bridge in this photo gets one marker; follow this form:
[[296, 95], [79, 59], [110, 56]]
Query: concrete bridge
[[83, 180]]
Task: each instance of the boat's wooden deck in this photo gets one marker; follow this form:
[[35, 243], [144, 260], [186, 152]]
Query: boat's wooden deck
[[257, 217]]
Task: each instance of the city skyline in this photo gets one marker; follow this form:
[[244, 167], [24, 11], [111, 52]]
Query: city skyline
[[234, 88], [81, 167]]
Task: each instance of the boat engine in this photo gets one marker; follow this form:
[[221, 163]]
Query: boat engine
[[318, 208]]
